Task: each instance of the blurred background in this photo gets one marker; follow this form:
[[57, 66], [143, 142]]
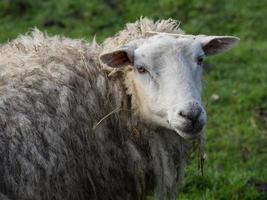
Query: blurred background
[[235, 84]]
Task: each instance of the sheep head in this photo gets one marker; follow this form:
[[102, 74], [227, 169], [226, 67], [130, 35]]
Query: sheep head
[[165, 77]]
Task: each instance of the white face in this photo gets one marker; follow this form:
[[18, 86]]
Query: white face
[[166, 75]]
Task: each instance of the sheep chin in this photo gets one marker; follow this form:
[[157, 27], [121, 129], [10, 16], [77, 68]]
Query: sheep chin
[[187, 136]]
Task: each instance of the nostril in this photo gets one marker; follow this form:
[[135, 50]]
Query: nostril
[[191, 114], [187, 115], [199, 111], [183, 114]]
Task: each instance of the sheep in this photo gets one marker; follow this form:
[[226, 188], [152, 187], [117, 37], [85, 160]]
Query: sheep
[[106, 121]]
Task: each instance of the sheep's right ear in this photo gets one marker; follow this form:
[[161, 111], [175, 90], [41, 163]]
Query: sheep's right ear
[[119, 58]]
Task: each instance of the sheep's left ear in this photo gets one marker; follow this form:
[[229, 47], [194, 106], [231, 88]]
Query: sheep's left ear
[[212, 45], [119, 58]]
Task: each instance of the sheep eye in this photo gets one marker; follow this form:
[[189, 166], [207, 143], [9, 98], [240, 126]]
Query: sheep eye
[[141, 69], [200, 60]]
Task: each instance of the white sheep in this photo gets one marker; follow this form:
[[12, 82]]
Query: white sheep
[[72, 127]]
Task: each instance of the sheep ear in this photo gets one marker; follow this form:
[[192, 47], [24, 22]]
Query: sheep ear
[[119, 58], [212, 45]]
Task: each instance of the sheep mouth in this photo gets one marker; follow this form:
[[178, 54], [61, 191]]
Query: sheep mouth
[[188, 134]]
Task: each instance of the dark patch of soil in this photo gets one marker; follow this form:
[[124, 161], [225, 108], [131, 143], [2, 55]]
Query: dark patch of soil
[[260, 186], [53, 22], [261, 113]]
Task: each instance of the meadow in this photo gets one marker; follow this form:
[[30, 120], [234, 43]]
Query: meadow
[[235, 84]]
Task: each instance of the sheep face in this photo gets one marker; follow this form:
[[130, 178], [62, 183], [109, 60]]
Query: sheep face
[[165, 78]]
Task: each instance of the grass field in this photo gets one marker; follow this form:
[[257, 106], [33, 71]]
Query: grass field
[[236, 167]]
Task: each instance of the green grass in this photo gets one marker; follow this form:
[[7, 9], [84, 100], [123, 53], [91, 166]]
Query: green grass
[[236, 167]]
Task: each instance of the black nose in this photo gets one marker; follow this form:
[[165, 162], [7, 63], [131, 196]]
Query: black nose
[[191, 112]]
